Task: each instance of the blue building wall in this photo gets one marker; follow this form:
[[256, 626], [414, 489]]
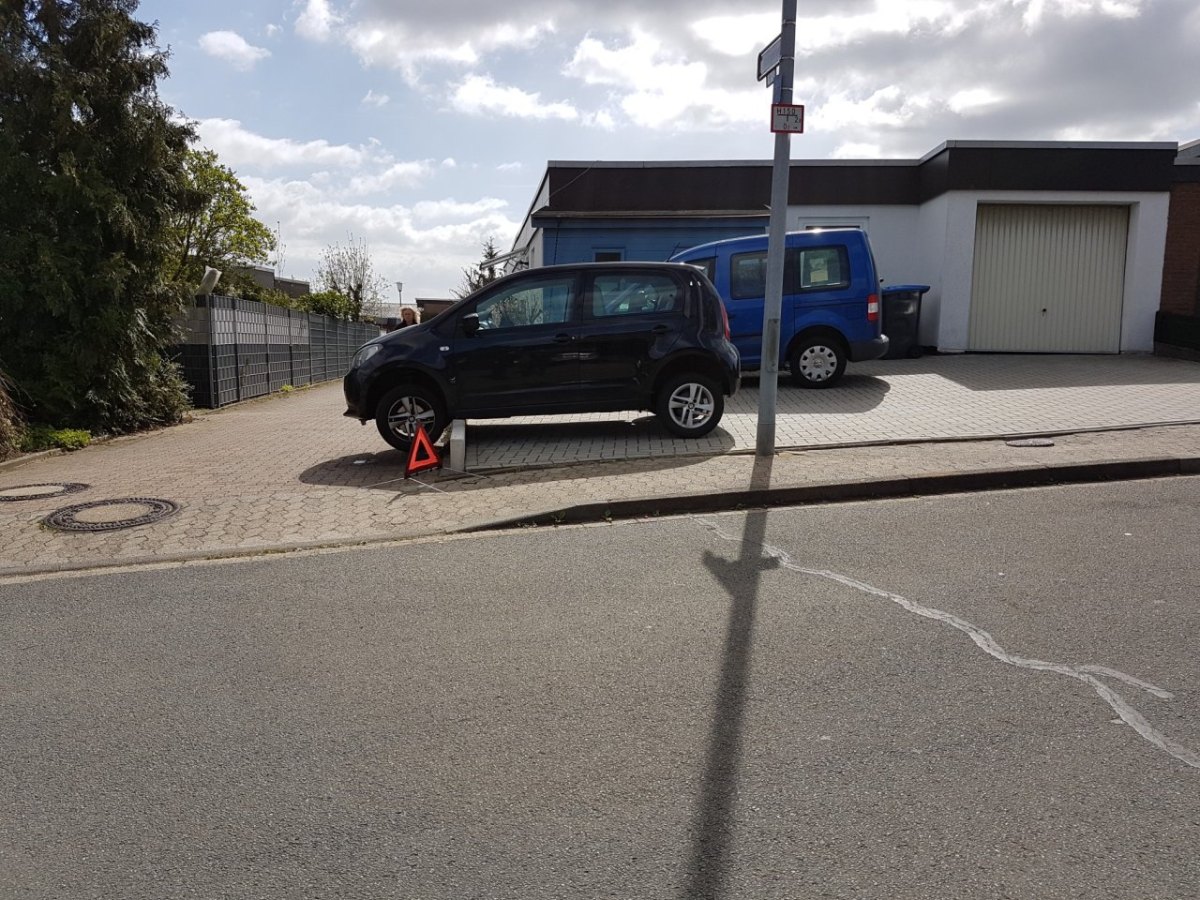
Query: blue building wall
[[637, 239]]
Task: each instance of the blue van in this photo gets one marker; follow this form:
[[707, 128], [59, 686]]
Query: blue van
[[831, 311]]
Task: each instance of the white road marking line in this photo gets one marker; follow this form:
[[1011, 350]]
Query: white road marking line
[[1085, 673]]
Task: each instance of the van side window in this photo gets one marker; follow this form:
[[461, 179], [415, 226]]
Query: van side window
[[804, 269], [824, 268], [747, 275]]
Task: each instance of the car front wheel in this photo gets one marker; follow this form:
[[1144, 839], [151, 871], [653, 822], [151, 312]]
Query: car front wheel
[[403, 408], [689, 405], [818, 362]]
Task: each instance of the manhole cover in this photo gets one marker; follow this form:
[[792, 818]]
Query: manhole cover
[[40, 491], [1031, 442], [110, 515]]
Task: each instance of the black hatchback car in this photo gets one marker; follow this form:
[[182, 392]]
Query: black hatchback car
[[560, 339]]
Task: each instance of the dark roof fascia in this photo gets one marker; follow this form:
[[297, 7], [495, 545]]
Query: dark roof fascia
[[1187, 171], [618, 188], [547, 213]]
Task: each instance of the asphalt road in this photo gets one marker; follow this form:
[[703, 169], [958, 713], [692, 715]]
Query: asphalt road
[[977, 696]]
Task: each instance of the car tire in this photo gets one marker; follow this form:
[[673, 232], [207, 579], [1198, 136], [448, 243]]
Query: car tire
[[402, 407], [689, 405], [818, 361]]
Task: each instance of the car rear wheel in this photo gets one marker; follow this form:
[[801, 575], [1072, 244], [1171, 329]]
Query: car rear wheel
[[403, 408], [818, 362], [689, 405]]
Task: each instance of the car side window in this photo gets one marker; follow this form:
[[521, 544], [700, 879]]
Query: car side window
[[634, 293], [544, 301]]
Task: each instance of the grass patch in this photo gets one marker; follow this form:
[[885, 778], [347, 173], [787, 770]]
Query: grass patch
[[43, 437]]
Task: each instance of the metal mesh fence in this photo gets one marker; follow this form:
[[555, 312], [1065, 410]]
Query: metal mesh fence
[[235, 349]]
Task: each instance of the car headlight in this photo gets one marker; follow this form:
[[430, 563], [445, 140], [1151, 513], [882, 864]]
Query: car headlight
[[361, 357]]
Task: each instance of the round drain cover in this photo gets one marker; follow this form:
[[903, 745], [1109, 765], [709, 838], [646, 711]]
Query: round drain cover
[[110, 515], [40, 491], [1031, 442]]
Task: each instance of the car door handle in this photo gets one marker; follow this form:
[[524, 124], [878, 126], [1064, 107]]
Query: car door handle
[[563, 338], [661, 329]]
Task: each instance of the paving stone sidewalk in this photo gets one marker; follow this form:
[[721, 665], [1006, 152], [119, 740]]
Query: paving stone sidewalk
[[290, 471]]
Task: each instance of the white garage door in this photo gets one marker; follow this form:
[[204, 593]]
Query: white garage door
[[1048, 279]]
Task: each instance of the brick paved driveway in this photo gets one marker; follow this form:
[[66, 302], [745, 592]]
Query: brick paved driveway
[[291, 469], [889, 400]]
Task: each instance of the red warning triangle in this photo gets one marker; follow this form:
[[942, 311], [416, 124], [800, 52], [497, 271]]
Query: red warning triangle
[[421, 455]]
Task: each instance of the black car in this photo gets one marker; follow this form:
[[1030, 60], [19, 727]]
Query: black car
[[560, 339]]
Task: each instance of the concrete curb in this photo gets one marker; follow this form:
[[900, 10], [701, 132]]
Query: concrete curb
[[725, 501], [849, 491]]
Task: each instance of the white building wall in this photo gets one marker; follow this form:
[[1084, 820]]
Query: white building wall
[[892, 230]]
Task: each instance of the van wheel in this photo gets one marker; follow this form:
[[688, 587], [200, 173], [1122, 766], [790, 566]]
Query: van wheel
[[818, 362], [402, 408], [689, 405]]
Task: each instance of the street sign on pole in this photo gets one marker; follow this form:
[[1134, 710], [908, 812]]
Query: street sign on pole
[[768, 60], [768, 376]]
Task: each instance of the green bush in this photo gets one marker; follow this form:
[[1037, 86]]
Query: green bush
[[43, 437]]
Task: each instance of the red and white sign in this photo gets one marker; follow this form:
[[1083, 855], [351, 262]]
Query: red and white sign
[[787, 117]]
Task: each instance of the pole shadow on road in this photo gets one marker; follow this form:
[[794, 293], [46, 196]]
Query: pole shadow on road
[[712, 825]]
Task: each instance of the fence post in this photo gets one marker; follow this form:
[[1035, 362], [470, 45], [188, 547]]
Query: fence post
[[237, 356], [291, 352], [211, 355]]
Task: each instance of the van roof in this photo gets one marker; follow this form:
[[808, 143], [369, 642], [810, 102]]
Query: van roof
[[757, 240]]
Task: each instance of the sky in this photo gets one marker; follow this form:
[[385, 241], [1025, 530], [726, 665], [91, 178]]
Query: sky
[[421, 129]]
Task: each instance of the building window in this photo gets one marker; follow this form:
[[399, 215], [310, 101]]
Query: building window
[[609, 255]]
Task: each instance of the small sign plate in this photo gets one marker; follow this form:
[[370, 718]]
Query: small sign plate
[[787, 117]]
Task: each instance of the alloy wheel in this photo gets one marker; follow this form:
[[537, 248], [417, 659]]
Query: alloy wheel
[[691, 405], [407, 412]]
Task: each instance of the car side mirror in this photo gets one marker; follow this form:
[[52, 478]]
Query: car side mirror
[[470, 323]]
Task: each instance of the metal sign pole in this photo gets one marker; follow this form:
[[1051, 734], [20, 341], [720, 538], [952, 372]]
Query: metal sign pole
[[768, 376]]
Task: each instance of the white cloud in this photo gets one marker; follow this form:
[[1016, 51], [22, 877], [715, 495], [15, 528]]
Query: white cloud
[[402, 174], [480, 95], [433, 210], [660, 91], [973, 100], [233, 49], [449, 163], [738, 35], [510, 167], [273, 30], [238, 146], [405, 44], [1037, 10], [404, 245], [317, 21], [374, 99], [857, 150]]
